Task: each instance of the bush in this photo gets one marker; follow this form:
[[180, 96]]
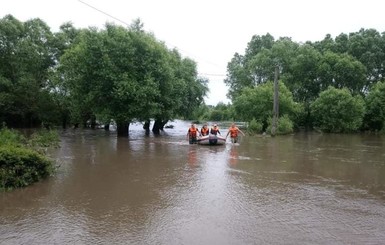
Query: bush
[[20, 167], [375, 105], [11, 137], [21, 163], [285, 125], [254, 127], [338, 111], [44, 138]]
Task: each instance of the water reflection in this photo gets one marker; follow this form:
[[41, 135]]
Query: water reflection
[[233, 155], [303, 188], [192, 156]]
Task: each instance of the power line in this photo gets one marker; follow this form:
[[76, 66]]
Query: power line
[[104, 12], [212, 75], [125, 23]]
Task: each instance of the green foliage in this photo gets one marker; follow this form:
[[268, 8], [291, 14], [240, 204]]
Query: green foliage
[[11, 137], [21, 163], [341, 71], [257, 103], [126, 74], [354, 61], [20, 167], [285, 125], [336, 110], [302, 76], [255, 127], [26, 56], [44, 138], [220, 112], [375, 107]]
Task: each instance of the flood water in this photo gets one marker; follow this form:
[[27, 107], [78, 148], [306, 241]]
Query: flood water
[[306, 188]]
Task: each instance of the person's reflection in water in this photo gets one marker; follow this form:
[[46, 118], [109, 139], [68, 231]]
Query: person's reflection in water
[[233, 158], [192, 157]]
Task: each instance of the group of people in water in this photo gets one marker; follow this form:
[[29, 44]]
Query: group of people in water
[[193, 132]]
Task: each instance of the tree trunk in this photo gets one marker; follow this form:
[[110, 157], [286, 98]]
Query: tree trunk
[[93, 122], [158, 126], [64, 122], [107, 127], [276, 103], [122, 129], [146, 127], [85, 124]]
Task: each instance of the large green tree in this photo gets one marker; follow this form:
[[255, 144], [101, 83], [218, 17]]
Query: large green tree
[[338, 111], [126, 75], [25, 58]]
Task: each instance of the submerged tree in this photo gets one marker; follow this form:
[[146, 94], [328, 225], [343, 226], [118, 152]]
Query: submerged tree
[[127, 75]]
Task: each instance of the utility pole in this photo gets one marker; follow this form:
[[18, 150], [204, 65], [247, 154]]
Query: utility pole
[[276, 103]]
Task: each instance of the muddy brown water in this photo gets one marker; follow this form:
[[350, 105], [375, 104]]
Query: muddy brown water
[[306, 188]]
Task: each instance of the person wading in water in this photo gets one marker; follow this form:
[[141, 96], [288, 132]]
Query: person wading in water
[[215, 130], [192, 134], [233, 131], [204, 130]]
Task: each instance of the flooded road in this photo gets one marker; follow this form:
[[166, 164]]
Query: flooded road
[[305, 188]]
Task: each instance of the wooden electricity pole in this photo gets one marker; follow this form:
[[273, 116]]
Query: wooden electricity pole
[[276, 103]]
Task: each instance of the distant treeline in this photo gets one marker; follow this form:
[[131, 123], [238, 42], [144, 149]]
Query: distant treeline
[[335, 85], [89, 76]]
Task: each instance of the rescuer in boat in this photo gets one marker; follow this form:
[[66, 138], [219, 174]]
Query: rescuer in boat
[[215, 130], [192, 134], [233, 131], [204, 130]]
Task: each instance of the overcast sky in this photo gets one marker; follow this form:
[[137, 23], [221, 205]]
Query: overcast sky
[[210, 31]]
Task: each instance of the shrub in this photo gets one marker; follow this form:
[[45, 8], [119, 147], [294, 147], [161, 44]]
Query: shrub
[[21, 163], [338, 111], [254, 127], [44, 138], [375, 104], [285, 125], [11, 137], [20, 167]]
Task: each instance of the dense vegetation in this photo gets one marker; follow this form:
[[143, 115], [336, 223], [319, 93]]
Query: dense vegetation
[[335, 85], [23, 160], [84, 76], [79, 76]]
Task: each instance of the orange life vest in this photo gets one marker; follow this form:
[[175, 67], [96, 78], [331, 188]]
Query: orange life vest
[[204, 131], [233, 132], [193, 132]]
